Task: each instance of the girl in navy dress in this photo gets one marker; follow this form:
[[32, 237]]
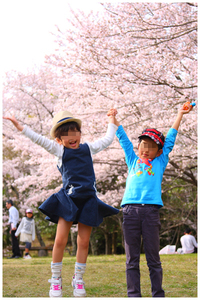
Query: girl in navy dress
[[76, 202]]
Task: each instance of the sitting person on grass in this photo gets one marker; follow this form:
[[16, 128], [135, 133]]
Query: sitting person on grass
[[188, 243]]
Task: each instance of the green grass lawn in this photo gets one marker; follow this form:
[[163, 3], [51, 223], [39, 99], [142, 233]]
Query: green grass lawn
[[104, 277]]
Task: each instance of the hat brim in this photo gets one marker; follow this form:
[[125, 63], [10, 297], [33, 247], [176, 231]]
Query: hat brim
[[155, 141], [53, 129]]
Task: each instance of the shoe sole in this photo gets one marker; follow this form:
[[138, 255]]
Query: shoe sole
[[51, 296], [78, 295]]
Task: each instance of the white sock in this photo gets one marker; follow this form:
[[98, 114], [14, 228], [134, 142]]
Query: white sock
[[56, 269], [79, 270]]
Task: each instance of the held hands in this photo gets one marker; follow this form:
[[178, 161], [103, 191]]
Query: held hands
[[111, 114], [15, 122]]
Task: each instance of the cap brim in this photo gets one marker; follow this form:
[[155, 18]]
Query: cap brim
[[146, 135], [53, 129], [155, 141]]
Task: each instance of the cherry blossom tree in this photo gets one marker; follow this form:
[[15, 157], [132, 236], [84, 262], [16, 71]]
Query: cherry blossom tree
[[140, 58]]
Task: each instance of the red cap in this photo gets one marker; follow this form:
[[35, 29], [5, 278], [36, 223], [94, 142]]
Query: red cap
[[155, 135]]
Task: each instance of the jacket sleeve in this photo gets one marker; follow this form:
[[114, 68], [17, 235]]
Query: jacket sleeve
[[104, 142], [168, 145], [19, 229], [194, 242], [49, 145], [126, 145]]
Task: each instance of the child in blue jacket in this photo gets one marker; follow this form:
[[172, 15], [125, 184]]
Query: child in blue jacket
[[142, 200]]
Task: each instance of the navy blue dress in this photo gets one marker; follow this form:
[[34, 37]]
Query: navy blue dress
[[77, 200]]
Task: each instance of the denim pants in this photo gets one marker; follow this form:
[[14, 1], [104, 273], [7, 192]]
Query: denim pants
[[142, 220], [28, 245]]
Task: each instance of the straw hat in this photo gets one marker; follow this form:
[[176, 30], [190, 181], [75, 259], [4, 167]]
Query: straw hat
[[61, 118]]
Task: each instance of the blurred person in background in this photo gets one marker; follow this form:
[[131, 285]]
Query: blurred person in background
[[13, 221], [188, 243], [26, 230]]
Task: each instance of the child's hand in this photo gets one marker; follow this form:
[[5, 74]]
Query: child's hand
[[15, 122], [186, 108], [111, 114]]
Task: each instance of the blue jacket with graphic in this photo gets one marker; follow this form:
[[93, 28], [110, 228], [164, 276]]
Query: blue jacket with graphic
[[143, 184]]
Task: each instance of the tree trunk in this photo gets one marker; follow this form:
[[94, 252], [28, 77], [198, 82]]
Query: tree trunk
[[108, 243], [42, 244], [121, 226], [93, 244], [74, 242], [114, 242]]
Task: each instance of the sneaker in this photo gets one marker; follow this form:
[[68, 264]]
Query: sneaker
[[27, 256], [56, 287], [11, 257], [79, 287]]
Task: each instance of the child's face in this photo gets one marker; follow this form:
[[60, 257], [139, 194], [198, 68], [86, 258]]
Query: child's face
[[148, 149], [71, 140], [29, 214]]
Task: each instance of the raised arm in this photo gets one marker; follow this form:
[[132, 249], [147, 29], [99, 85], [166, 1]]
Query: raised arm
[[15, 122], [49, 145], [180, 116], [104, 142]]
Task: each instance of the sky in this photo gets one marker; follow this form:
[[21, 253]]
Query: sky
[[26, 27]]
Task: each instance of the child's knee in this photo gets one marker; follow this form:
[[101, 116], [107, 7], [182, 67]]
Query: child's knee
[[83, 243], [60, 242]]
